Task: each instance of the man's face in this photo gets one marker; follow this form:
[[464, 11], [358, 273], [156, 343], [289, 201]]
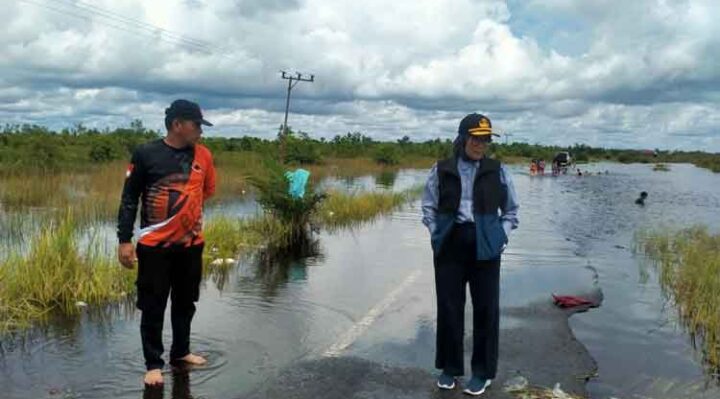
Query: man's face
[[188, 131], [476, 146]]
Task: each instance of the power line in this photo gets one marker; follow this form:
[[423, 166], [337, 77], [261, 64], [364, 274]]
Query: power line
[[147, 30], [66, 11], [105, 13]]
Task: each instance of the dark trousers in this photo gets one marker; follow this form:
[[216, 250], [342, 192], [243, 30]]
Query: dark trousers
[[163, 272], [456, 267]]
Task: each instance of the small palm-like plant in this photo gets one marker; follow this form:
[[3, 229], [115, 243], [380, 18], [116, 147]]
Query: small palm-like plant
[[273, 196]]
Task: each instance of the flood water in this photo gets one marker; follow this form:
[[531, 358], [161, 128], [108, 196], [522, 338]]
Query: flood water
[[370, 293]]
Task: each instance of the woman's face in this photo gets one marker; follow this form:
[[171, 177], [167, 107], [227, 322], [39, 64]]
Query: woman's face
[[476, 146]]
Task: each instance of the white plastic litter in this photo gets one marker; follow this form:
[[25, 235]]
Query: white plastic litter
[[558, 393], [515, 384], [221, 261]]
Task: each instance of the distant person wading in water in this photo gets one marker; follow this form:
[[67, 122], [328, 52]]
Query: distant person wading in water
[[174, 176], [470, 207], [642, 198]]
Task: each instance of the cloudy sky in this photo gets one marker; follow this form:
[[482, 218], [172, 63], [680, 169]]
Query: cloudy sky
[[613, 73]]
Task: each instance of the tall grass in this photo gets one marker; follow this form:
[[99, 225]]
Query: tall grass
[[90, 195], [346, 209], [95, 194], [688, 262], [230, 237], [56, 273], [712, 163], [354, 167]]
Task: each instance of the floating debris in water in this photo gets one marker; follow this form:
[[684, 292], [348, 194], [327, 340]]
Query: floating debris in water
[[81, 304], [559, 393], [221, 261]]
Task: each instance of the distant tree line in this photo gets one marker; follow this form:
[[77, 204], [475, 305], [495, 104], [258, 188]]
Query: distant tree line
[[26, 148]]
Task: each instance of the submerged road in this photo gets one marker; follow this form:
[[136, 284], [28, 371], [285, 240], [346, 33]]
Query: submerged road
[[358, 319], [388, 352]]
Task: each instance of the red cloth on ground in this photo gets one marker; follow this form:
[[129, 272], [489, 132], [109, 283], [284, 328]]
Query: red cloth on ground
[[570, 301]]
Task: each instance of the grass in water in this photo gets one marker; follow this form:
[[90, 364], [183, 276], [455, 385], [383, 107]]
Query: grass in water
[[688, 262], [344, 210], [661, 167], [95, 194], [228, 237], [55, 274], [353, 167]]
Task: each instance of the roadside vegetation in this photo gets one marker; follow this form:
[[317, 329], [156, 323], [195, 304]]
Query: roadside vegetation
[[62, 271], [688, 264]]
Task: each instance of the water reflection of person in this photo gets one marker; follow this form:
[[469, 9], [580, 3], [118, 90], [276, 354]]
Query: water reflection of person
[[174, 176], [469, 205]]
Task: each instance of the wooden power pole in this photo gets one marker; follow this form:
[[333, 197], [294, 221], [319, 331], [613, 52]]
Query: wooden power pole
[[292, 81]]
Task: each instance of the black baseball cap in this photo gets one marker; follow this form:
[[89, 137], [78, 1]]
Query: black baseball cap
[[186, 110], [476, 125]]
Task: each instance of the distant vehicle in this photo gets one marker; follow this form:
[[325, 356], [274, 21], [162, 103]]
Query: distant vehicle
[[653, 153], [561, 162]]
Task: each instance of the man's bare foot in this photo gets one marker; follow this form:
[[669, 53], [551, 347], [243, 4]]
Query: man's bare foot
[[153, 377], [193, 359]]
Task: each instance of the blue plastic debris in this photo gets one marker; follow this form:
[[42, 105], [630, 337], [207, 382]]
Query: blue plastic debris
[[298, 180]]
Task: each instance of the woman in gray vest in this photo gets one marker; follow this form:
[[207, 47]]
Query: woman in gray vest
[[470, 207]]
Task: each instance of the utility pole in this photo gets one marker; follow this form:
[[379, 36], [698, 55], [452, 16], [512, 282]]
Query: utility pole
[[298, 77], [506, 137]]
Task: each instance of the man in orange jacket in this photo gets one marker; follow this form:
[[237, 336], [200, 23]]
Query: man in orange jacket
[[173, 176]]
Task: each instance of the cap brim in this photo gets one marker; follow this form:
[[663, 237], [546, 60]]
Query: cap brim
[[205, 123], [480, 134]]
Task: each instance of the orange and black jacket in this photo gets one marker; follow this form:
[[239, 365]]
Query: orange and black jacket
[[173, 185]]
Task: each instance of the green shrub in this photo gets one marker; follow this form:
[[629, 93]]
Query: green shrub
[[387, 155], [302, 151], [106, 150], [273, 196]]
